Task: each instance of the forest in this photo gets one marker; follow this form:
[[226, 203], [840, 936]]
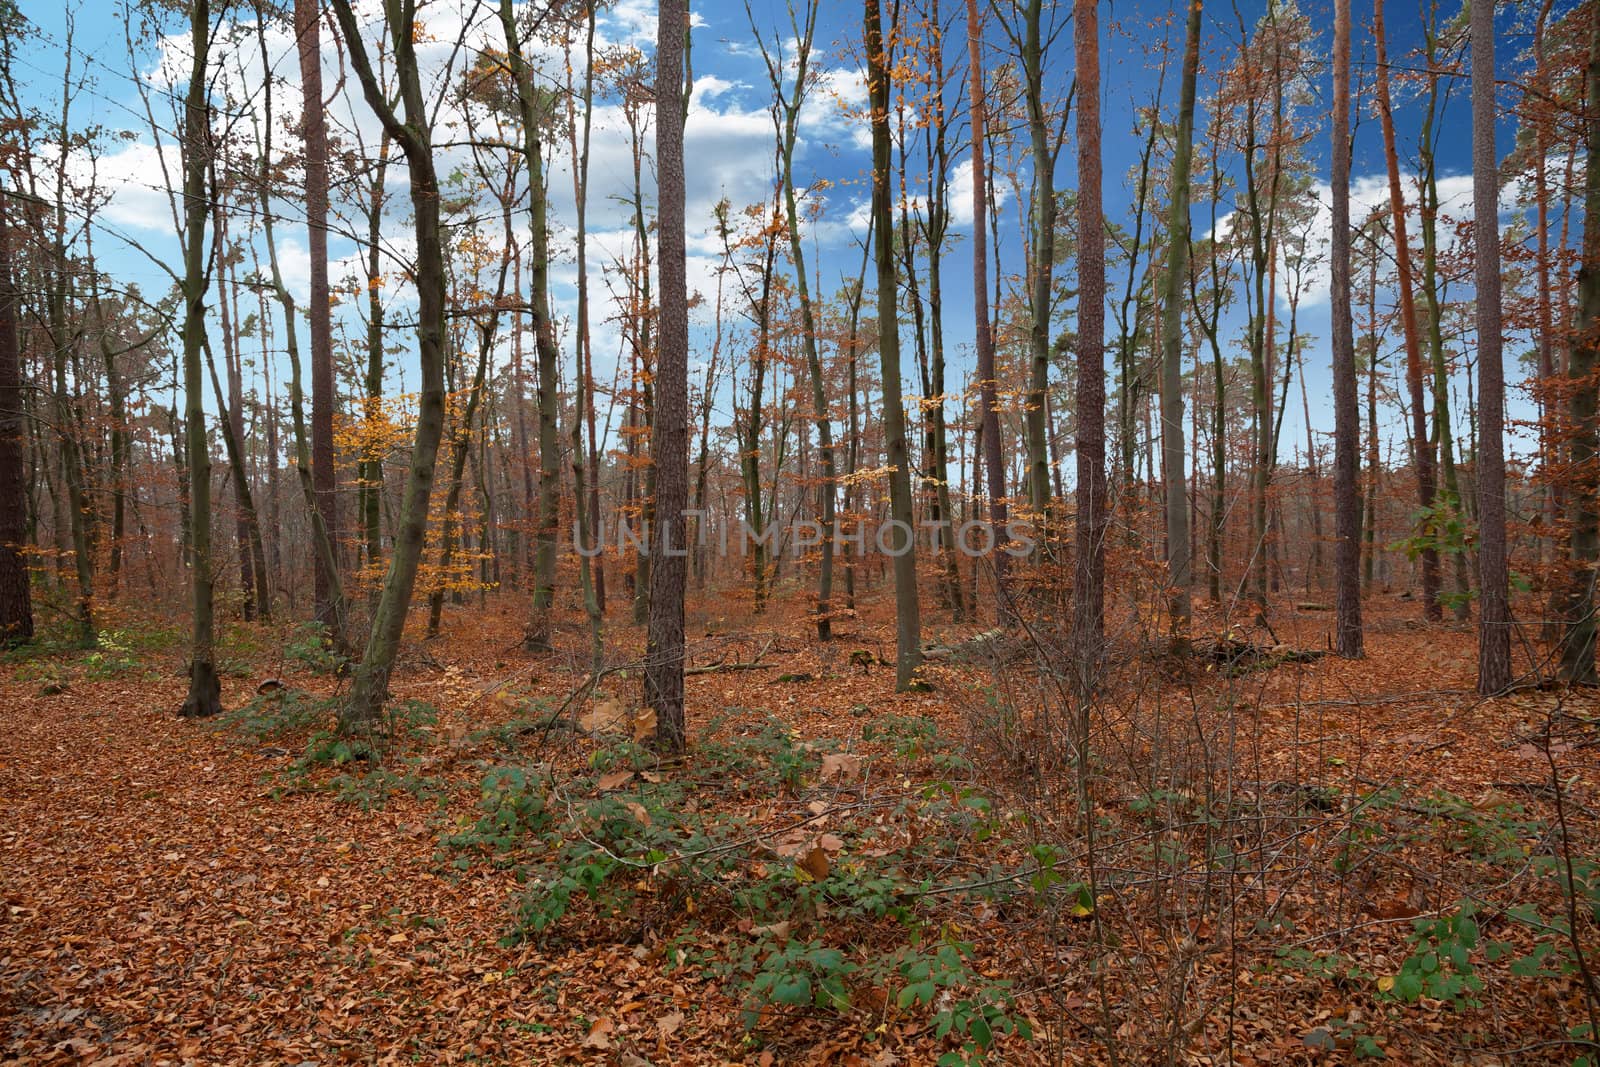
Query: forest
[[799, 531]]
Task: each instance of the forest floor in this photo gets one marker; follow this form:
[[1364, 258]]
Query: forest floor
[[1293, 862]]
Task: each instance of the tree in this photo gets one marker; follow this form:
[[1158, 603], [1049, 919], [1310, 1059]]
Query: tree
[[1088, 593], [205, 686], [1421, 449], [314, 128], [413, 134], [663, 671], [786, 115], [1494, 618], [1347, 420], [16, 605], [1172, 443], [908, 618], [988, 389], [1583, 509]]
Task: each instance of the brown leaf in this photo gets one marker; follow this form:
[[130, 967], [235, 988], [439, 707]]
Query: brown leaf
[[599, 1035], [815, 863], [612, 780], [668, 1024], [840, 765]]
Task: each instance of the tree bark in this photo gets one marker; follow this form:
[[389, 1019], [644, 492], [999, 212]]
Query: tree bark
[[1494, 619], [903, 545], [1346, 414], [1421, 450], [205, 687], [314, 128], [1583, 509], [371, 686], [988, 388], [16, 603], [1088, 594], [663, 672], [1172, 443]]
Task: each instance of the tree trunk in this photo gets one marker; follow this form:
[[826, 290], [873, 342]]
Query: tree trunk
[[988, 389], [1172, 443], [1088, 594], [205, 687], [903, 545], [663, 672], [16, 604], [1421, 452], [371, 685], [1494, 620], [1583, 509], [314, 129], [1346, 414]]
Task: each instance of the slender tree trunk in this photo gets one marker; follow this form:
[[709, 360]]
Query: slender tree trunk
[[1494, 620], [321, 537], [1172, 443], [1041, 271], [988, 389], [1088, 599], [1583, 509], [903, 545], [314, 129], [371, 686], [1421, 452], [205, 686], [663, 672], [1346, 415], [16, 603]]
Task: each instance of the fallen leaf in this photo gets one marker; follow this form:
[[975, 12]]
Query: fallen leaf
[[612, 780], [668, 1024], [815, 864]]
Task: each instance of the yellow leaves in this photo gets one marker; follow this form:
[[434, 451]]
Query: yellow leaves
[[1386, 983]]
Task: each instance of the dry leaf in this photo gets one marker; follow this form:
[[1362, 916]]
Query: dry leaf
[[604, 717], [668, 1024], [815, 863], [644, 725], [599, 1035], [840, 765], [612, 780]]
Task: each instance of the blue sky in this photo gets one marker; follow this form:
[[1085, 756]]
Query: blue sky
[[730, 138]]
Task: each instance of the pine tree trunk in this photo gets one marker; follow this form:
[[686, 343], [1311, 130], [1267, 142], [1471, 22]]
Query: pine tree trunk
[[1088, 594], [1494, 620], [1346, 415]]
